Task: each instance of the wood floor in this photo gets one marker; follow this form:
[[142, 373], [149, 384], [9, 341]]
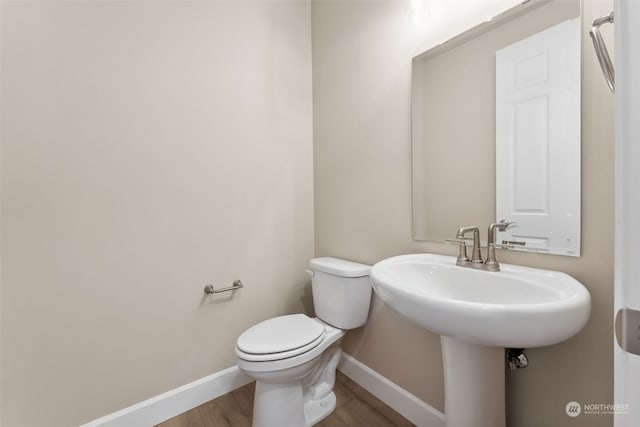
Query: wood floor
[[356, 407]]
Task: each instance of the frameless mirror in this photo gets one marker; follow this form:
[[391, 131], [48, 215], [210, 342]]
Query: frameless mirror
[[496, 129]]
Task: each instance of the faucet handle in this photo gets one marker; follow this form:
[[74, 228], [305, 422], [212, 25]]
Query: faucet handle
[[462, 255], [501, 246], [507, 224], [458, 242]]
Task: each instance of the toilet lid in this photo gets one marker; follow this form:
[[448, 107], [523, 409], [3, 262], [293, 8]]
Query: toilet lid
[[282, 334]]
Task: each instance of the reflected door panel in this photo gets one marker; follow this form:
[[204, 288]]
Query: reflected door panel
[[538, 140]]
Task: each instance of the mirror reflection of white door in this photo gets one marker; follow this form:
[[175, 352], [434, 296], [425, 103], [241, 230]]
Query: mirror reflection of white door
[[538, 140]]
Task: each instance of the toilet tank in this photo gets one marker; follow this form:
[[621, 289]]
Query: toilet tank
[[341, 291]]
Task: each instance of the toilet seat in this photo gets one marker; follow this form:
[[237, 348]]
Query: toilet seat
[[280, 338]]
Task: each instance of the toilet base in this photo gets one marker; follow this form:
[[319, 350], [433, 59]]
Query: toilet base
[[294, 413], [317, 410]]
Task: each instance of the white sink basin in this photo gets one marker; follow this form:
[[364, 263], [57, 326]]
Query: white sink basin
[[516, 307], [477, 313]]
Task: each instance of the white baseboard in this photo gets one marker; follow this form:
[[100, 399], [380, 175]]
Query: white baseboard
[[179, 400], [397, 398], [175, 402]]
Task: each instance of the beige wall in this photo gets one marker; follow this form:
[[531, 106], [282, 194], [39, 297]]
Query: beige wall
[[362, 54], [148, 148]]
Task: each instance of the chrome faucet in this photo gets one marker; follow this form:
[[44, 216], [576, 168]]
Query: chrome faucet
[[491, 264], [476, 255]]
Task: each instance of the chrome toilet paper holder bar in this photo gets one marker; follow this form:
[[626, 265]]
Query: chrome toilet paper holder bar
[[209, 289]]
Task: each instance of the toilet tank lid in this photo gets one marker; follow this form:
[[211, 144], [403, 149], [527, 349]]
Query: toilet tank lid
[[339, 267]]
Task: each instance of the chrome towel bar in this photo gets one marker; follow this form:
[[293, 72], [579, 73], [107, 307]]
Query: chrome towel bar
[[209, 289], [601, 49]]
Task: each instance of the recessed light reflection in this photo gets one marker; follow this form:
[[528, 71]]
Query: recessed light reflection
[[419, 11]]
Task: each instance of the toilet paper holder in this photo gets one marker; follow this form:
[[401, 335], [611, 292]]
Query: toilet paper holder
[[209, 289]]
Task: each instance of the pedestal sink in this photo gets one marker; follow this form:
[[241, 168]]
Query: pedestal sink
[[477, 314]]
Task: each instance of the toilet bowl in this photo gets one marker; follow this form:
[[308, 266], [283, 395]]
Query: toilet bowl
[[294, 357]]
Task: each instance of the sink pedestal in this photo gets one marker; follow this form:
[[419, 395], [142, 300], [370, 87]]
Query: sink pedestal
[[473, 384]]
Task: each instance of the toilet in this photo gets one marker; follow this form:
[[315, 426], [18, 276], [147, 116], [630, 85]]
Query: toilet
[[294, 358]]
